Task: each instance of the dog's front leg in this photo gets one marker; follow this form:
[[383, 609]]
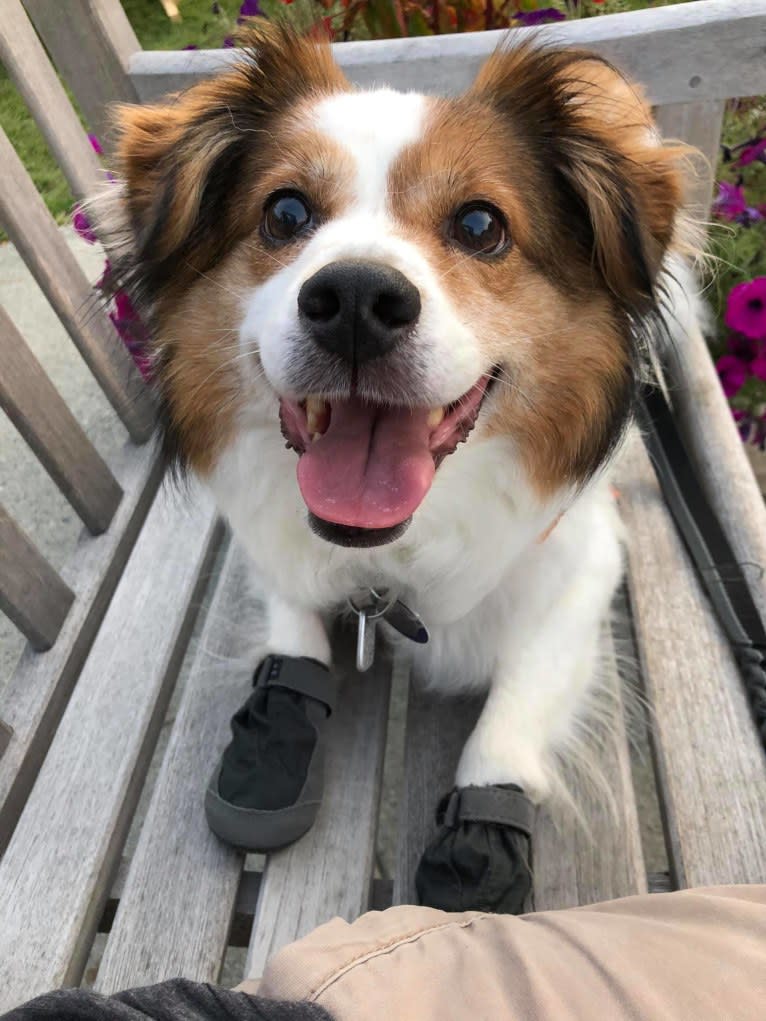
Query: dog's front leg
[[295, 631], [547, 664], [267, 787]]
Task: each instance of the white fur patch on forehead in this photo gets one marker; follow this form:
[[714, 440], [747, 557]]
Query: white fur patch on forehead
[[373, 127]]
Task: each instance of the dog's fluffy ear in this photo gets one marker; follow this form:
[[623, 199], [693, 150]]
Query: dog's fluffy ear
[[182, 162], [586, 124]]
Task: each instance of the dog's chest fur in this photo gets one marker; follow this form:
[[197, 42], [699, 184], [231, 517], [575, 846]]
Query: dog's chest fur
[[470, 563]]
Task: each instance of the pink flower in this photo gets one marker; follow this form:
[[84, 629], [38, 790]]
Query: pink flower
[[81, 224], [751, 153], [732, 372], [746, 308]]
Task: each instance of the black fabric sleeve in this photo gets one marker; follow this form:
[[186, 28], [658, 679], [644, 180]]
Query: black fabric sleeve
[[175, 1000]]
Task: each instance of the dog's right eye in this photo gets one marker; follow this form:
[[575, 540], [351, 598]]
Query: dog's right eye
[[286, 215], [480, 229]]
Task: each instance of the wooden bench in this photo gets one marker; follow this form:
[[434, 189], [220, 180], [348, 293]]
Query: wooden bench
[[152, 611]]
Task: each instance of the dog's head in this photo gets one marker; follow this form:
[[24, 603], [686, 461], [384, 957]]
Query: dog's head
[[386, 273]]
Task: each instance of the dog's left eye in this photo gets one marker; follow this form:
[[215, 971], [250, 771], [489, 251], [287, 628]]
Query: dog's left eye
[[480, 228], [286, 215]]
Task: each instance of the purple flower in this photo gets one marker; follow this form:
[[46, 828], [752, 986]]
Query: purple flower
[[751, 153], [730, 201], [731, 204], [133, 332], [191, 46], [228, 43], [128, 325], [96, 145], [743, 347], [758, 366], [81, 224], [250, 9], [527, 19], [746, 308], [744, 422], [732, 372]]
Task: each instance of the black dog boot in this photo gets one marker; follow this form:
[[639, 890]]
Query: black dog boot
[[480, 857], [267, 788]]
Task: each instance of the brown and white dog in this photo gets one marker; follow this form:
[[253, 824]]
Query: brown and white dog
[[377, 277]]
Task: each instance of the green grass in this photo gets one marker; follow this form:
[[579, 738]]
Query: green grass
[[31, 147], [200, 25], [155, 31]]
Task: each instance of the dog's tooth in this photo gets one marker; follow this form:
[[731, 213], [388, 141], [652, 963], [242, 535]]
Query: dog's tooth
[[315, 437], [316, 414], [435, 417]]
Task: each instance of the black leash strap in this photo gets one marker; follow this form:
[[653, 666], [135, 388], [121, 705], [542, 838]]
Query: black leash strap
[[709, 548]]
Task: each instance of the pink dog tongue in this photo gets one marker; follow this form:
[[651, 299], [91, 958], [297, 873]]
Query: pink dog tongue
[[371, 469]]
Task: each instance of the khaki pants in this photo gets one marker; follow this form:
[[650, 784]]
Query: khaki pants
[[698, 955]]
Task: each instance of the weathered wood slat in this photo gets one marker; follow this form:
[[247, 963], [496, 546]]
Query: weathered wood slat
[[90, 47], [6, 733], [329, 871], [711, 768], [55, 874], [33, 75], [35, 598], [247, 900], [178, 902], [37, 692], [685, 53], [599, 857], [35, 234], [719, 457], [576, 861], [437, 729], [38, 411], [698, 124]]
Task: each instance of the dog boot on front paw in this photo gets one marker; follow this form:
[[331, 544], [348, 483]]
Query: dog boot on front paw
[[479, 859], [267, 787]]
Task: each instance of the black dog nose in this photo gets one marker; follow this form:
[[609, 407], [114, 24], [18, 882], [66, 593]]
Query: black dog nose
[[358, 310]]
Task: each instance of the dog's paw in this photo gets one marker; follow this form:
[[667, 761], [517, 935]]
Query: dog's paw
[[479, 859]]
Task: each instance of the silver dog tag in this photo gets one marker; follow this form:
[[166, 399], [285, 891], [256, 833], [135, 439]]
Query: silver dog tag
[[406, 622], [365, 640], [368, 605]]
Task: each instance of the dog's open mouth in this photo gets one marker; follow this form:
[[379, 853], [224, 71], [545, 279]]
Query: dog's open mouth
[[367, 467]]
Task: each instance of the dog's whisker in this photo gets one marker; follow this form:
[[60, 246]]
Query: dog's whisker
[[237, 294]]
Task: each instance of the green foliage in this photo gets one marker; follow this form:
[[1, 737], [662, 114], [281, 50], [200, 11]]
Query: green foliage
[[737, 253], [203, 23]]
